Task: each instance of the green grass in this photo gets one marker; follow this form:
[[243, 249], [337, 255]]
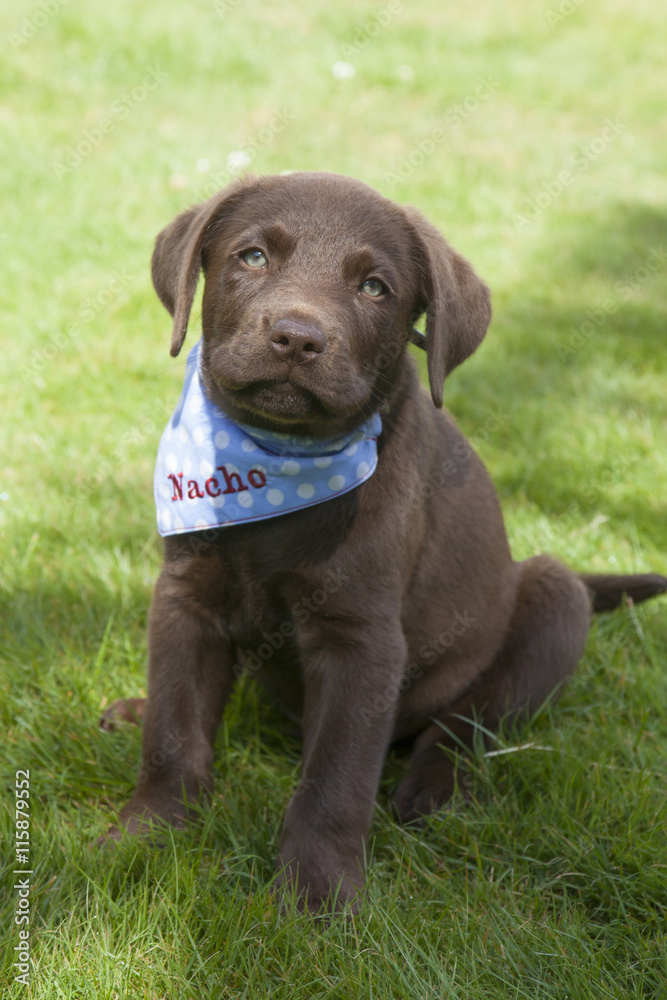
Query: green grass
[[552, 882]]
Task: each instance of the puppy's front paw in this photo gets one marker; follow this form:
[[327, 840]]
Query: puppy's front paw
[[321, 880]]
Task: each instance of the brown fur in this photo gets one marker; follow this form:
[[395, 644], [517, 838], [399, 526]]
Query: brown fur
[[392, 608]]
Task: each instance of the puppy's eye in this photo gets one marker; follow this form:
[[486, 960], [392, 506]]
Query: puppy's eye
[[254, 258], [373, 287]]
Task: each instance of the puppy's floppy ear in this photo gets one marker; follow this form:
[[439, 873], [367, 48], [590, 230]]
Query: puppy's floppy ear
[[457, 303], [177, 257]]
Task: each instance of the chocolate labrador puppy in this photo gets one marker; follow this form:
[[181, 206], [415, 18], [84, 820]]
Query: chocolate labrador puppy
[[326, 524]]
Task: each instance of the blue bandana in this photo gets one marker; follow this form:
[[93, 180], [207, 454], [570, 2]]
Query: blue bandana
[[212, 472]]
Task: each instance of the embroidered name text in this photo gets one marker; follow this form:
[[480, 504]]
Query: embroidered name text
[[213, 487]]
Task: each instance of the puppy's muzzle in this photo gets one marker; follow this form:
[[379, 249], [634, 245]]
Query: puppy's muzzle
[[297, 343]]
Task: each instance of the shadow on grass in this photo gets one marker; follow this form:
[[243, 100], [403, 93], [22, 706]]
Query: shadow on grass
[[575, 367]]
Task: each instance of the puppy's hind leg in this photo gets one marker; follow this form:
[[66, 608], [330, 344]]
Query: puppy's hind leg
[[130, 710], [543, 644]]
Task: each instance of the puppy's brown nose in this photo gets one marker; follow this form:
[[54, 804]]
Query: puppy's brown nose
[[297, 342]]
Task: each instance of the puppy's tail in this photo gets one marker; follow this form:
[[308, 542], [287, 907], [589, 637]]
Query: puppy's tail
[[608, 590]]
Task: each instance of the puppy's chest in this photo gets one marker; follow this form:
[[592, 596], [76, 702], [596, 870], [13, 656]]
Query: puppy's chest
[[255, 595], [271, 570], [254, 607]]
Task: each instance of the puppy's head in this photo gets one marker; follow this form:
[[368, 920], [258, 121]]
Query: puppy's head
[[313, 283]]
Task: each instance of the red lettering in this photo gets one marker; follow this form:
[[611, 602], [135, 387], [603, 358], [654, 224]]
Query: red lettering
[[257, 474], [215, 491], [178, 486], [193, 489], [229, 476]]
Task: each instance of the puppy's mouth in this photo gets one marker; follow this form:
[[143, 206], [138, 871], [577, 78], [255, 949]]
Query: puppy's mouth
[[279, 399], [328, 403]]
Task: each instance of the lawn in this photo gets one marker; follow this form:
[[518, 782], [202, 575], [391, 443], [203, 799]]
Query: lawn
[[534, 136]]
